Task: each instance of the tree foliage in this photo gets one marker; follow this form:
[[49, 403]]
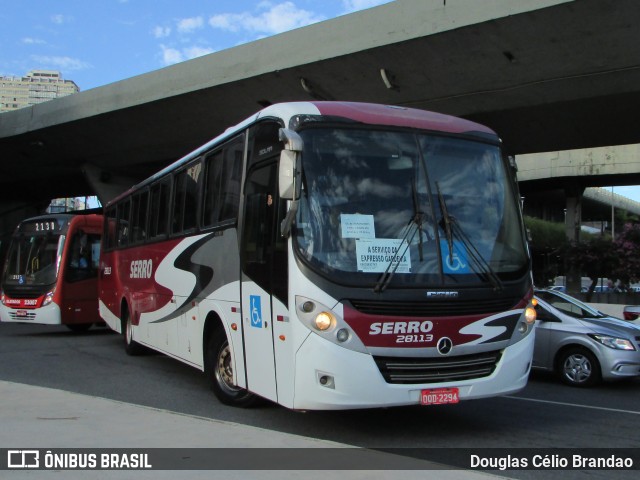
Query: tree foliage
[[546, 242], [599, 257], [595, 258], [545, 236], [627, 248]]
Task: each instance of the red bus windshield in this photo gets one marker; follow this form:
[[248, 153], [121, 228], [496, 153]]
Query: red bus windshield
[[34, 259]]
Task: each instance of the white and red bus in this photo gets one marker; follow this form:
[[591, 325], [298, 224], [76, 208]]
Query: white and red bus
[[330, 255], [51, 271]]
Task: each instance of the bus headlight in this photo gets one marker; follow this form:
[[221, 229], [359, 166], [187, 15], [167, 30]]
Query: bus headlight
[[324, 320], [328, 323], [530, 315], [48, 298]]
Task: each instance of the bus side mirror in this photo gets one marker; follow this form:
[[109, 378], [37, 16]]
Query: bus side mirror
[[286, 174], [289, 176]]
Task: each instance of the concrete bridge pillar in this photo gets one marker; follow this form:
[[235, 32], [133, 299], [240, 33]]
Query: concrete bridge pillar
[[572, 222]]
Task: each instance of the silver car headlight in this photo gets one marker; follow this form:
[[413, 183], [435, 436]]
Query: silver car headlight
[[613, 342]]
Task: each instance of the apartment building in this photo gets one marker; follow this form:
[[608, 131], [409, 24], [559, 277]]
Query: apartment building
[[37, 86]]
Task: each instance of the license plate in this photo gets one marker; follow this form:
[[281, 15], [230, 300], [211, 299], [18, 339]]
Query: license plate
[[439, 396], [21, 313]]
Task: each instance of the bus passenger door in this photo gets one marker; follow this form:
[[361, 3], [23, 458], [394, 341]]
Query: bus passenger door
[[80, 297], [257, 267]]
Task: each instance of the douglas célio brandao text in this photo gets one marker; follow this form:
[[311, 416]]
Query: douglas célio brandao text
[[550, 461]]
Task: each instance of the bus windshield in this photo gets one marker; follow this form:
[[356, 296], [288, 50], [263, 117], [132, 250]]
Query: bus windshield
[[422, 209], [33, 260]]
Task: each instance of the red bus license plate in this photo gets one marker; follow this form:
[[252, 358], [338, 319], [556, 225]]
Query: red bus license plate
[[21, 313], [439, 396]]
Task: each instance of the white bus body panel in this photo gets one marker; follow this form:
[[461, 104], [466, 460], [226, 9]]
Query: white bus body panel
[[258, 341], [112, 321], [49, 315]]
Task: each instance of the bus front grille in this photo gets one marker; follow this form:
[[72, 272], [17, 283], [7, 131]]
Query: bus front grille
[[414, 370], [434, 308], [29, 315]]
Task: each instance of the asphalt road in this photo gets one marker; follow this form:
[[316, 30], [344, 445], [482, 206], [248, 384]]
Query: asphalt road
[[545, 414]]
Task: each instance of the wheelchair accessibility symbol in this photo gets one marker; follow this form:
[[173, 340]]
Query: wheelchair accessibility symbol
[[455, 264], [456, 261], [256, 311]]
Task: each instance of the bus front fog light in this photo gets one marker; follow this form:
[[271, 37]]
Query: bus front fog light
[[522, 327], [327, 381], [323, 321], [342, 335]]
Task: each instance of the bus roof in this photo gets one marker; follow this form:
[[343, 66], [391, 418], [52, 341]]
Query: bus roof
[[365, 113]]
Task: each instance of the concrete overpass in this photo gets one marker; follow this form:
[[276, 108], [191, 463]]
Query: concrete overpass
[[548, 75], [554, 184]]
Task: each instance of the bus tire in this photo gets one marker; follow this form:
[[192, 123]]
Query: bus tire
[[130, 345], [219, 372]]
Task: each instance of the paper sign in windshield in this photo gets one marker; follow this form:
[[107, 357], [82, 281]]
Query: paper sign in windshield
[[355, 225], [376, 254]]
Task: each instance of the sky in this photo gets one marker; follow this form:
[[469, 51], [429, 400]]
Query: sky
[[98, 42]]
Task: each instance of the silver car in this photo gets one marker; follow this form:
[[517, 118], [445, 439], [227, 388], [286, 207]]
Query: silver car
[[582, 345]]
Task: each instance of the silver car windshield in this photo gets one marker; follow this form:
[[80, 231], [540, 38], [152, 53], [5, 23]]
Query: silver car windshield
[[569, 305], [374, 201]]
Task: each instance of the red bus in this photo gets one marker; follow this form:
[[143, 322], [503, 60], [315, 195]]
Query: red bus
[[330, 255], [51, 271]]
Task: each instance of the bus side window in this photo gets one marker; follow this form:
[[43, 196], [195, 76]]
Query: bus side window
[[185, 199], [222, 184], [82, 254], [230, 196], [213, 187], [139, 217], [159, 209], [110, 229], [123, 223]]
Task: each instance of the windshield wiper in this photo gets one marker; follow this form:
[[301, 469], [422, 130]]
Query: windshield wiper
[[415, 221], [452, 228], [446, 220], [417, 216], [387, 275]]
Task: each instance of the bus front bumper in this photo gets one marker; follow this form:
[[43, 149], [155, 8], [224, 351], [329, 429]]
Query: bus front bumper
[[49, 315], [343, 379]]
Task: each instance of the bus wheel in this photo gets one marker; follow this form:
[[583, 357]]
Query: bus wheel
[[219, 372], [79, 327], [130, 345]]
